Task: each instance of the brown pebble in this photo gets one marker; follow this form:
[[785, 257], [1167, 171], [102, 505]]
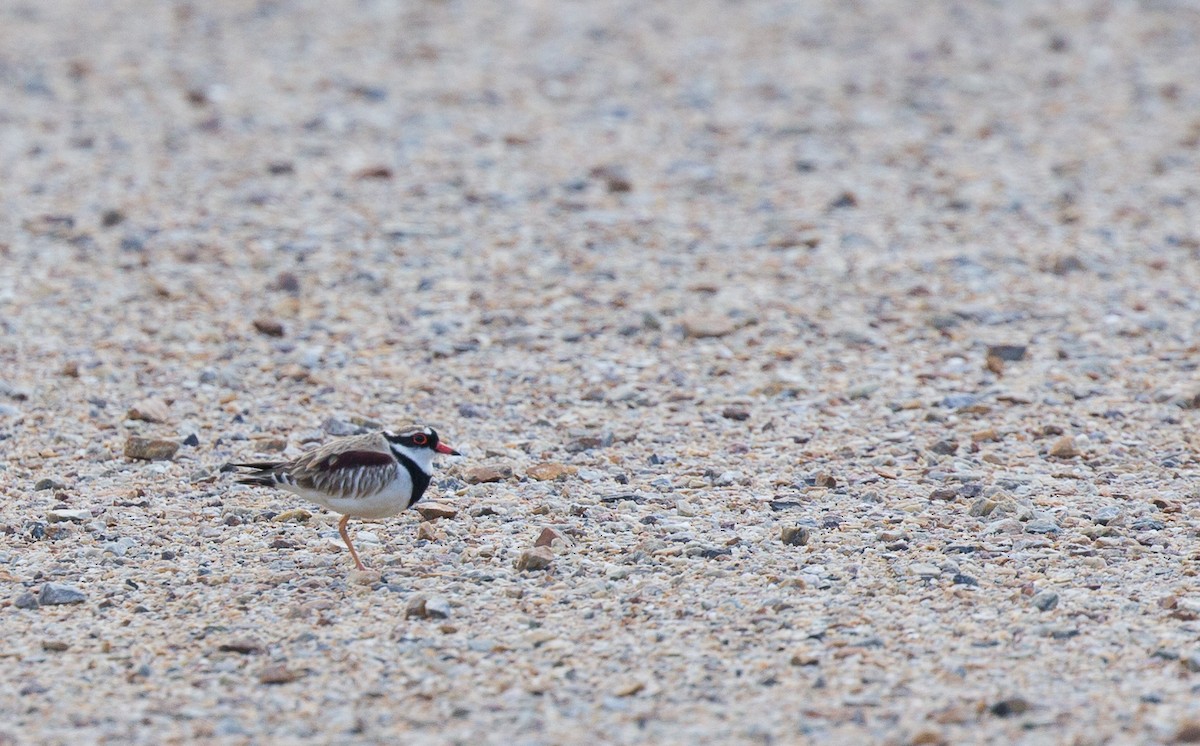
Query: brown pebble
[[293, 515], [482, 474], [150, 449], [278, 673], [1187, 732], [796, 536], [538, 558], [269, 327], [427, 532], [629, 688], [702, 327], [149, 410], [55, 646], [985, 436], [287, 282], [373, 172], [431, 511], [242, 645], [1064, 447], [549, 471], [736, 413], [994, 364], [928, 738], [615, 177], [415, 608], [547, 536], [825, 479]]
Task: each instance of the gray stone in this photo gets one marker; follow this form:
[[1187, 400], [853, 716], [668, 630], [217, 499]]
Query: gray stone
[[437, 607], [55, 594], [945, 447], [1041, 526], [340, 428], [422, 606], [26, 601], [1045, 600], [1008, 353]]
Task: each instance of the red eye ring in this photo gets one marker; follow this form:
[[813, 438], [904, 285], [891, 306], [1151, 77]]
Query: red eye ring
[[420, 439]]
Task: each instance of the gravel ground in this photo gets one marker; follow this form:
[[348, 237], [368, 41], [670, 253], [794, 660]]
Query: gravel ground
[[839, 357]]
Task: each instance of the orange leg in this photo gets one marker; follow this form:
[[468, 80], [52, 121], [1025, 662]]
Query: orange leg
[[346, 538]]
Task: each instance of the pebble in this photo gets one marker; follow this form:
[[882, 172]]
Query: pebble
[[487, 473], [62, 515], [56, 594], [982, 507], [432, 510], [729, 479], [26, 601], [1106, 515], [292, 515], [1045, 600], [925, 570], [1187, 732], [1064, 448], [55, 646], [796, 536], [537, 558], [548, 536], [46, 483], [1010, 707], [427, 532], [422, 606], [945, 447], [279, 673], [738, 414], [708, 326], [120, 547], [1041, 526], [269, 327], [148, 449], [615, 177], [1008, 353], [548, 471], [153, 409], [241, 645], [339, 428]]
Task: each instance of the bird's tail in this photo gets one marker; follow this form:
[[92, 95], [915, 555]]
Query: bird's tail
[[265, 473]]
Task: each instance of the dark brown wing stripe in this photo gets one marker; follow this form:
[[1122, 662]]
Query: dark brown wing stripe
[[354, 460]]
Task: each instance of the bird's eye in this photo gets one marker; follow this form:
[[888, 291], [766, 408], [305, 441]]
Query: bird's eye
[[420, 439]]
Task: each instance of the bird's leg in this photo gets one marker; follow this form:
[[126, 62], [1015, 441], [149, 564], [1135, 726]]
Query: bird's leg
[[346, 538]]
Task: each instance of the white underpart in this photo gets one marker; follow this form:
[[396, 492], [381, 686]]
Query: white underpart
[[389, 501]]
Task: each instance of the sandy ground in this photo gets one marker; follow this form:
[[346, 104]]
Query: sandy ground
[[847, 351]]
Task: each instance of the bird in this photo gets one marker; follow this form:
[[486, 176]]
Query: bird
[[374, 475]]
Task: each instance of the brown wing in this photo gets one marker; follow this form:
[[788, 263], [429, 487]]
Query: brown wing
[[354, 460], [347, 473]]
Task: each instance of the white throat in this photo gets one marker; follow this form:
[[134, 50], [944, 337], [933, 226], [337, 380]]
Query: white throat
[[422, 457]]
